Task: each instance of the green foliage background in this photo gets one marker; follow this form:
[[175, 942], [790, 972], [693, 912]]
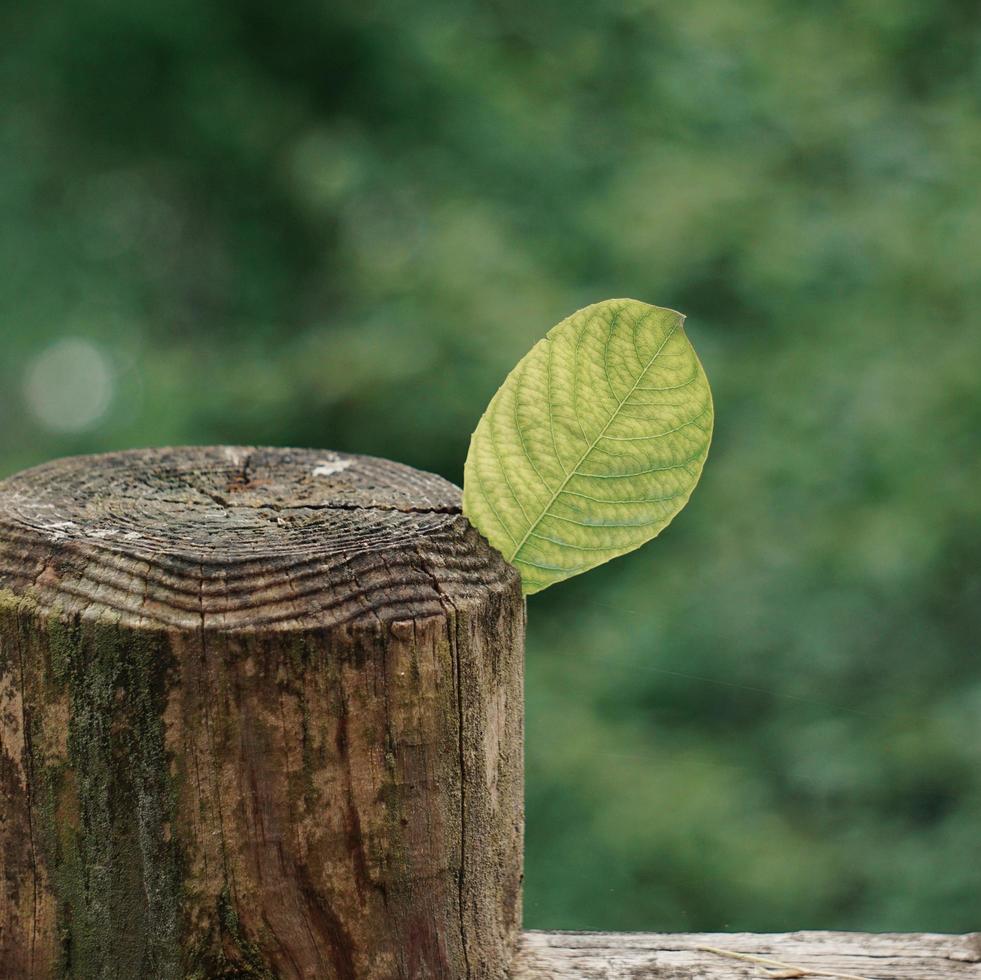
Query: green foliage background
[[341, 224]]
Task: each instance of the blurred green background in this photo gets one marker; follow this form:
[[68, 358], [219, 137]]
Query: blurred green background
[[340, 225]]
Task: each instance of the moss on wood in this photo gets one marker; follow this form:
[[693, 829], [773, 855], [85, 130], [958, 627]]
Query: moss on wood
[[107, 804]]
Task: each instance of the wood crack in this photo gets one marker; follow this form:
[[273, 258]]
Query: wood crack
[[28, 762]]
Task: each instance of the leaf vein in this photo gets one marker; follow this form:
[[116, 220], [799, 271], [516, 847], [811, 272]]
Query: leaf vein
[[521, 435], [590, 448], [487, 498], [658, 435], [626, 476]]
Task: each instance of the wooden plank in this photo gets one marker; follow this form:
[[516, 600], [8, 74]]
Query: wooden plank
[[701, 956]]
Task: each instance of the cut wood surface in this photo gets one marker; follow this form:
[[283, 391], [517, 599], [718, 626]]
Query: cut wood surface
[[694, 956], [260, 716]]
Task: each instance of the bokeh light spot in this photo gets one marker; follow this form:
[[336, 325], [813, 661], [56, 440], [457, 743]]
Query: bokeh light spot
[[69, 385]]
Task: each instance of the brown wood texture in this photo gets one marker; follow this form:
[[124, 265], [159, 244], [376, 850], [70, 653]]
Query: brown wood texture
[[691, 956], [260, 716]]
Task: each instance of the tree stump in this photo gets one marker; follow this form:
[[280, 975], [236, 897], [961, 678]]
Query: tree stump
[[260, 716]]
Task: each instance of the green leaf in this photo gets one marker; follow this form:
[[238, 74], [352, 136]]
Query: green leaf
[[592, 444]]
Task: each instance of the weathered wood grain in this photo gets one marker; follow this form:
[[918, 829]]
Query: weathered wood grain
[[687, 956], [236, 538], [260, 716]]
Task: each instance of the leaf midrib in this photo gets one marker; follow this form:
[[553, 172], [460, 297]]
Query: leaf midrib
[[575, 469]]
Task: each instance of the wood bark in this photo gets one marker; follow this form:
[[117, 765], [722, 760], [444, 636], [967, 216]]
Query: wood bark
[[693, 956], [260, 716]]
